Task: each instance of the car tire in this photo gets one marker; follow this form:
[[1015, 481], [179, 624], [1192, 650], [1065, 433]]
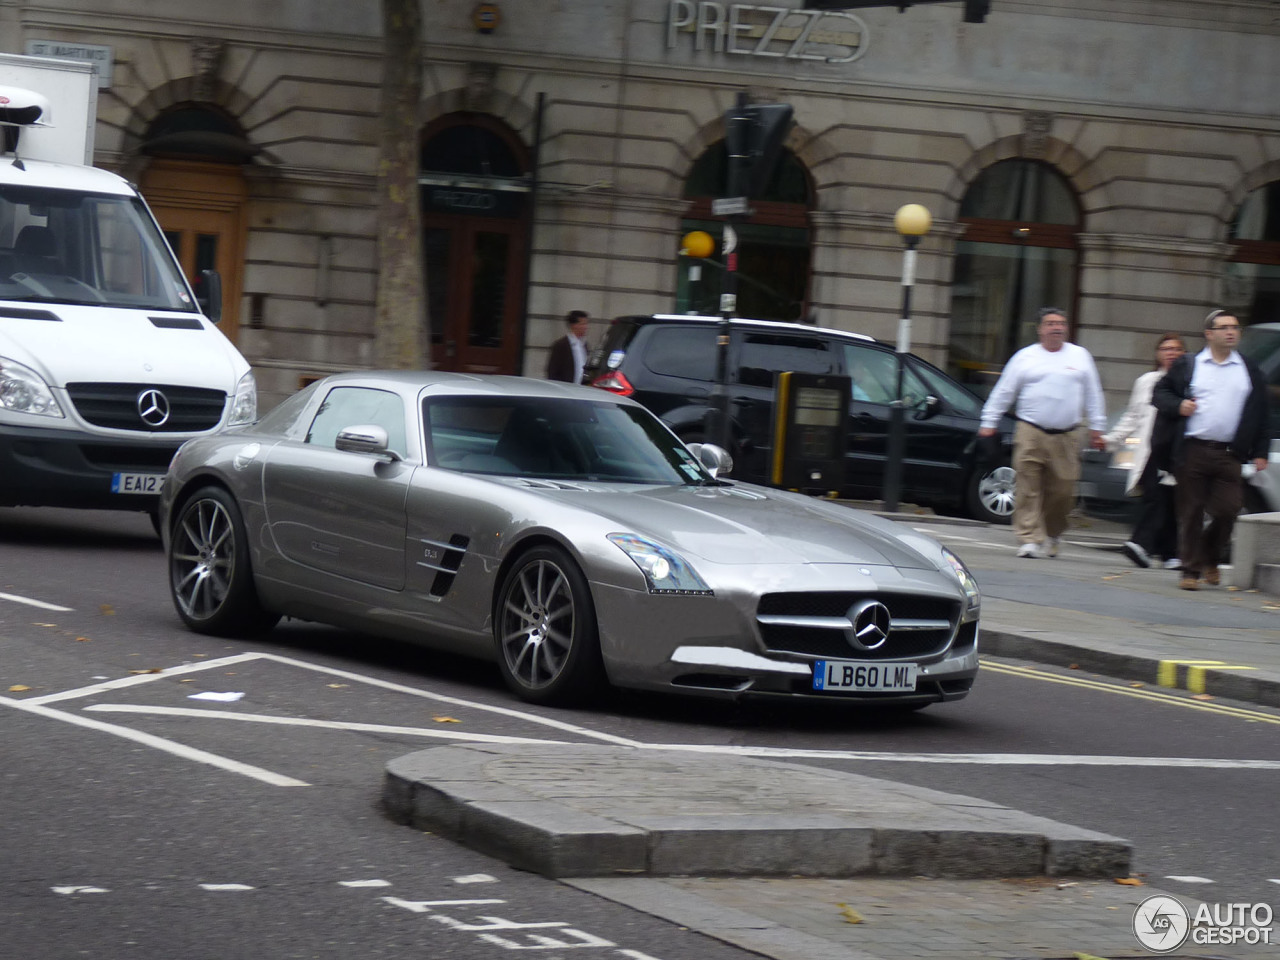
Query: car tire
[[989, 495], [545, 631], [210, 579]]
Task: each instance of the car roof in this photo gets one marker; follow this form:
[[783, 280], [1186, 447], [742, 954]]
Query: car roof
[[447, 383], [776, 325]]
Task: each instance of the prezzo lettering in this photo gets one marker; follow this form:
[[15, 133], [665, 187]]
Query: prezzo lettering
[[787, 34]]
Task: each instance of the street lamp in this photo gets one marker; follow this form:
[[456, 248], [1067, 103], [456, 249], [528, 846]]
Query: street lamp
[[912, 222]]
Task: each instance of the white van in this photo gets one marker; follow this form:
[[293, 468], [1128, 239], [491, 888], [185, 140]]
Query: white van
[[1260, 342], [107, 361]]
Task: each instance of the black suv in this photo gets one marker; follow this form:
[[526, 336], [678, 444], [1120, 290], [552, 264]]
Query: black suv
[[668, 363]]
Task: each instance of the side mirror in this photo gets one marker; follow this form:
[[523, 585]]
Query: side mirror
[[715, 459], [930, 406], [365, 438], [209, 294]]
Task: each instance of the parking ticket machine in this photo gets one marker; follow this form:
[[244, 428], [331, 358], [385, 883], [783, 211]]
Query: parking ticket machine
[[809, 429]]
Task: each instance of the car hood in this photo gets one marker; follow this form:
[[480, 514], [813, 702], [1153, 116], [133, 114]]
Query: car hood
[[109, 343], [744, 524]]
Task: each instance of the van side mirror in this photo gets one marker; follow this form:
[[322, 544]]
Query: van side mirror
[[209, 294]]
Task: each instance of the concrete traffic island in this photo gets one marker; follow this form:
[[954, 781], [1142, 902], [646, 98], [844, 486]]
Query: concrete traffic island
[[601, 810]]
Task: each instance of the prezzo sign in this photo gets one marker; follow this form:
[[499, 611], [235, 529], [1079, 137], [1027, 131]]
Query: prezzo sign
[[747, 30]]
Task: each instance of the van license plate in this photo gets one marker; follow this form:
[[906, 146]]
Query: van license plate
[[137, 482], [851, 675]]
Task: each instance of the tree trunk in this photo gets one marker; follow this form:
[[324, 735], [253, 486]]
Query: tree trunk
[[401, 321]]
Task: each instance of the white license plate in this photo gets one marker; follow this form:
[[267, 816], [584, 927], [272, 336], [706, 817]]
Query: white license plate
[[137, 482], [852, 675]]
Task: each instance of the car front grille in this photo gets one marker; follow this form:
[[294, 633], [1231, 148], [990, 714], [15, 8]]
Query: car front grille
[[817, 625], [116, 405]]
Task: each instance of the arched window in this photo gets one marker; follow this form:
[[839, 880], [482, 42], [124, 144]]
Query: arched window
[[1018, 253], [1251, 286], [197, 131], [773, 243]]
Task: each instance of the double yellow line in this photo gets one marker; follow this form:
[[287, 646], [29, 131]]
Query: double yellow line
[[1139, 693]]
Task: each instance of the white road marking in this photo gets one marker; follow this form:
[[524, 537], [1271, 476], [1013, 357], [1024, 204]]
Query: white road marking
[[426, 906], [67, 891], [135, 679], [14, 598], [1190, 879], [476, 878], [159, 743], [1273, 881], [364, 883], [225, 887], [306, 722]]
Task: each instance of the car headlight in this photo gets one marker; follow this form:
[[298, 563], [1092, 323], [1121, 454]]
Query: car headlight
[[973, 598], [664, 570], [245, 407], [22, 390]]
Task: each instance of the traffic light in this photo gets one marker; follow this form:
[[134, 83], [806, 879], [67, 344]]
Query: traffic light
[[753, 138]]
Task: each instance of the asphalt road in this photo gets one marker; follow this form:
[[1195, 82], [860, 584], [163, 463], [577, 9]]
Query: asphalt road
[[204, 841]]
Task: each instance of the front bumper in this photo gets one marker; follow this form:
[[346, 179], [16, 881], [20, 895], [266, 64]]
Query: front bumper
[[724, 646], [72, 468]]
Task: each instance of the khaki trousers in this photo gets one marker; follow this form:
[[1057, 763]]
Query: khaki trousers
[[1048, 466]]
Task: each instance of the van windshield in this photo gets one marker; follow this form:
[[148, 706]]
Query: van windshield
[[59, 246]]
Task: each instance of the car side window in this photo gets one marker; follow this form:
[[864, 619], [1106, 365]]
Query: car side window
[[688, 352], [763, 355], [874, 376], [353, 406]]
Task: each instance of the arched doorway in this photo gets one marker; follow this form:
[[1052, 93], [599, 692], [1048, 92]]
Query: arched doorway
[[773, 243], [1251, 286], [475, 188], [1019, 252], [196, 188]]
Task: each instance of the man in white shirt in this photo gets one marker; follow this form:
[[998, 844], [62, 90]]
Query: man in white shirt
[[1055, 387], [1219, 400], [568, 356]]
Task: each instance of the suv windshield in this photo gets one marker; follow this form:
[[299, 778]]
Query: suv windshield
[[556, 439], [57, 246]]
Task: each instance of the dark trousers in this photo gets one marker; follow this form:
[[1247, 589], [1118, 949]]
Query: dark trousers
[[1209, 483], [1157, 528]]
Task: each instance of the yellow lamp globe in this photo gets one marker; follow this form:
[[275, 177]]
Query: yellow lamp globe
[[697, 243], [912, 220]]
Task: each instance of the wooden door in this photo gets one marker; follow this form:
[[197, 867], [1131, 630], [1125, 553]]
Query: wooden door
[[474, 269], [200, 208]]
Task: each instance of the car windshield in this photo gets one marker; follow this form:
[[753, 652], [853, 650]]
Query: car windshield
[[557, 439], [62, 246]]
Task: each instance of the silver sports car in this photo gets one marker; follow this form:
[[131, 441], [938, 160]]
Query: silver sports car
[[565, 533]]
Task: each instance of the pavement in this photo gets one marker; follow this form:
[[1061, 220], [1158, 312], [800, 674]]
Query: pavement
[[795, 862]]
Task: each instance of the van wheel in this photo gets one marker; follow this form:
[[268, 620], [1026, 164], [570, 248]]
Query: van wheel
[[990, 494]]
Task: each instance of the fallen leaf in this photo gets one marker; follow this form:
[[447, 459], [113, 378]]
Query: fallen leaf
[[1137, 683], [1201, 696], [199, 654], [1074, 666], [187, 680], [446, 720], [1069, 883], [1129, 881], [46, 624], [1232, 589], [1115, 576], [82, 640], [107, 610], [336, 686], [18, 688], [850, 915], [152, 670]]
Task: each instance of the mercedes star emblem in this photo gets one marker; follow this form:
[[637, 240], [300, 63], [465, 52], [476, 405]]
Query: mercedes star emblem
[[153, 407], [869, 624]]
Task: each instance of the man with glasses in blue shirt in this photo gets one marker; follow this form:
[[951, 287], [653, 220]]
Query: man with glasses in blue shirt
[[1213, 411]]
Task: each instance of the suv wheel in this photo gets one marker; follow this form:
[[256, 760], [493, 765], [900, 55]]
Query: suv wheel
[[989, 496]]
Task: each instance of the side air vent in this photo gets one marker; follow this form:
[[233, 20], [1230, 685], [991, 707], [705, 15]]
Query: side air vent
[[444, 558]]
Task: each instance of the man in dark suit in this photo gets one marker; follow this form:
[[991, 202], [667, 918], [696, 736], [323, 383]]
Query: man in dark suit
[[568, 355], [1212, 418]]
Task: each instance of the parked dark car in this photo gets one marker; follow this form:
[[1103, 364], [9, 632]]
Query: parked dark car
[[668, 363]]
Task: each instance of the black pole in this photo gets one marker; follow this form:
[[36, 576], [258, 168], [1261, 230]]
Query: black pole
[[737, 145], [897, 415]]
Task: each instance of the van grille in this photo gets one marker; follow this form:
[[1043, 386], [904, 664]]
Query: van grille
[[115, 405]]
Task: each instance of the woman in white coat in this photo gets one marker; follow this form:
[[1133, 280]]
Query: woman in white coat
[[1156, 531]]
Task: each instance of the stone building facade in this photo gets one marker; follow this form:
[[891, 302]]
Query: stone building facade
[[1112, 154]]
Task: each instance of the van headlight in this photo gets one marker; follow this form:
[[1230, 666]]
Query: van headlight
[[972, 597], [22, 390], [244, 409], [664, 570]]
